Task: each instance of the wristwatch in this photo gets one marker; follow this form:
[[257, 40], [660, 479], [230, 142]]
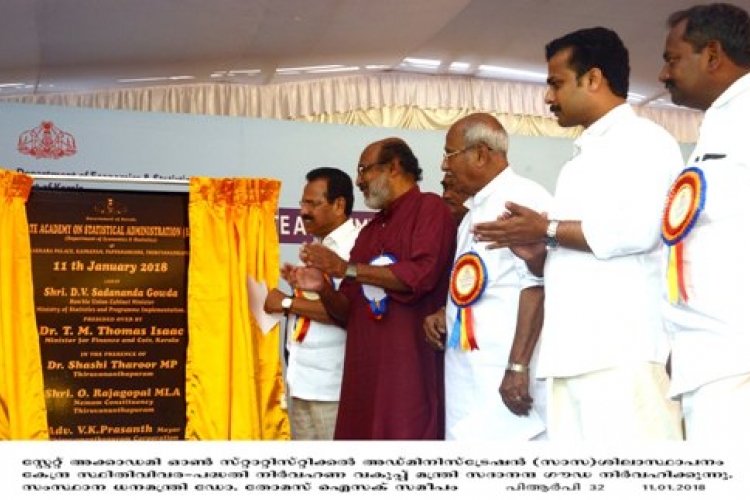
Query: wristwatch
[[516, 367], [551, 237], [286, 304], [351, 272]]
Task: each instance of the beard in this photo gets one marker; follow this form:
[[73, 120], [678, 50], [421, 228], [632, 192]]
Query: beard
[[378, 193]]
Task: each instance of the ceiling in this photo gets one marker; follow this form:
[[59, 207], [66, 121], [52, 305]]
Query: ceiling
[[51, 46]]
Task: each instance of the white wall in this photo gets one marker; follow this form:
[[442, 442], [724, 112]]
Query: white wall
[[136, 144]]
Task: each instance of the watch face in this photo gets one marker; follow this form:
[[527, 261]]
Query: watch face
[[286, 303], [551, 237], [351, 271], [552, 229]]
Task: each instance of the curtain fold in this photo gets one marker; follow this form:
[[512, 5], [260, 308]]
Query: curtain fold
[[412, 117], [392, 99], [23, 414], [234, 387]]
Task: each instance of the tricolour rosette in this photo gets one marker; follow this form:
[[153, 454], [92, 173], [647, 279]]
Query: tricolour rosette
[[468, 283], [685, 201]]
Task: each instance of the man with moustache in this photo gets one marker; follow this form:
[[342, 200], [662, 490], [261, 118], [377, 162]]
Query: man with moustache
[[494, 312], [454, 197], [707, 67], [316, 345], [603, 348], [396, 275]]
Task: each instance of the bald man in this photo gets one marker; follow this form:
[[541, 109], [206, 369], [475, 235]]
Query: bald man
[[493, 314]]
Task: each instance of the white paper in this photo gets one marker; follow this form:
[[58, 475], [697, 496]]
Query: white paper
[[256, 294], [494, 422]]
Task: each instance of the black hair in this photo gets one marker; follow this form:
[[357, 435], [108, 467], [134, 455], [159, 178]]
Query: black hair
[[339, 185], [393, 148], [596, 48], [725, 23]]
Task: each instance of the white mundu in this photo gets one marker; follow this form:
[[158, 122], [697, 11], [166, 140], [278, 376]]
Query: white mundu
[[474, 408], [710, 330], [602, 307]]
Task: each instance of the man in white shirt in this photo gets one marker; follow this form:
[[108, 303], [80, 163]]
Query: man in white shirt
[[493, 314], [603, 348], [316, 345], [707, 67]]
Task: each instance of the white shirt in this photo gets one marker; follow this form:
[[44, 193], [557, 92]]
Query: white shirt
[[472, 378], [316, 363], [711, 332], [602, 307]]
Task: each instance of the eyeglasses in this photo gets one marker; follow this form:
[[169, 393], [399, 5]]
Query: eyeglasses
[[363, 169], [448, 156], [311, 204]]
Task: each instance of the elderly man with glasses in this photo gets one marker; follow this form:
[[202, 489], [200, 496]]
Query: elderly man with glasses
[[396, 275], [493, 313]]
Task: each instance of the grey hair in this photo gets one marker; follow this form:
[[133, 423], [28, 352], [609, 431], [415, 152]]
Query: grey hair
[[495, 139]]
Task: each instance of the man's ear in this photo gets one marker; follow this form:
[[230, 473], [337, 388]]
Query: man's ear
[[395, 168], [483, 154], [339, 205], [714, 53], [594, 78]]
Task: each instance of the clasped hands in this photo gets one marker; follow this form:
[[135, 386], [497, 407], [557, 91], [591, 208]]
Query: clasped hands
[[319, 262], [519, 228]]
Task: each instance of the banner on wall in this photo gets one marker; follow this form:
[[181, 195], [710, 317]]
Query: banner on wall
[[110, 280], [292, 231]]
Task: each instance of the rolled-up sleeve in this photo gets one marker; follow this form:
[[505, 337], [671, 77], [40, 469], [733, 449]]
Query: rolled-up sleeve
[[628, 219], [432, 247]]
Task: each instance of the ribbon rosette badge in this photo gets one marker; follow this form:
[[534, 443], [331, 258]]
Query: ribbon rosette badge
[[468, 282], [685, 201], [375, 295]]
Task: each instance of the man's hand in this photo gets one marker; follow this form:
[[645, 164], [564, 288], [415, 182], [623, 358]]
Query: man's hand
[[322, 258], [517, 227], [515, 392], [309, 278], [434, 329], [287, 275], [530, 252]]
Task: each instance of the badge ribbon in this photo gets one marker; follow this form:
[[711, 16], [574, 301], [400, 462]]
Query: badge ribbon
[[375, 295], [468, 282], [302, 323], [685, 201]]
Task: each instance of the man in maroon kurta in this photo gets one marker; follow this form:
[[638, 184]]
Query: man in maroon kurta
[[393, 381]]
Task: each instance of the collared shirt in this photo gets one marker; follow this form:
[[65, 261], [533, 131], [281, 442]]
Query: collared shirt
[[316, 363], [393, 379], [602, 307], [711, 332], [472, 378]]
